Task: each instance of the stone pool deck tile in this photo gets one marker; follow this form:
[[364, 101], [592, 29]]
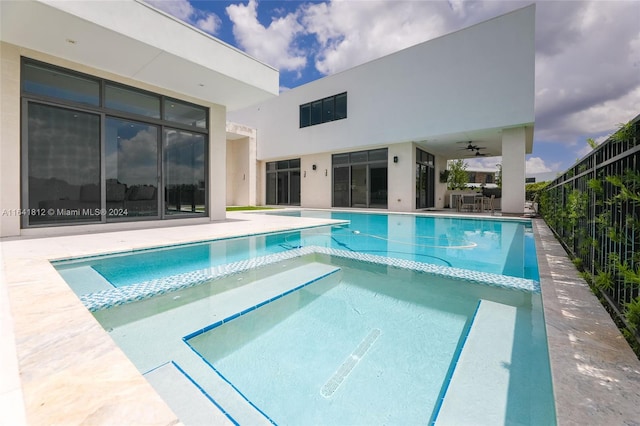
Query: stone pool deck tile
[[596, 375], [58, 365]]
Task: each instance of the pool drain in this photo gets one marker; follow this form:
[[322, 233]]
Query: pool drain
[[352, 360]]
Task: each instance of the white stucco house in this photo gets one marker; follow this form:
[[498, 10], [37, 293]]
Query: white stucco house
[[117, 114], [378, 135]]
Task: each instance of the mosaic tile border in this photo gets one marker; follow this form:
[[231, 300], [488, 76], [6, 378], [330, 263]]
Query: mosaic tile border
[[119, 296]]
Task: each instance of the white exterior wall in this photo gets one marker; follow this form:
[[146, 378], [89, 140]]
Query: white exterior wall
[[480, 78], [9, 140], [315, 185], [476, 78], [241, 166]]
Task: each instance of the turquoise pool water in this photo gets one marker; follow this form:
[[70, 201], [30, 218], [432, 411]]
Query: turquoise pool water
[[494, 246], [335, 324]]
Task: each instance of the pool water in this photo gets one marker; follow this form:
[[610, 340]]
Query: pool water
[[336, 324], [494, 246]]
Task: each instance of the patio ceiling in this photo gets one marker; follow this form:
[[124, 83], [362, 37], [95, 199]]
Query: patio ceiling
[[454, 145], [136, 41]]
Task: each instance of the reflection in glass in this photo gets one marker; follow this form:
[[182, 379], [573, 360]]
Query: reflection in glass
[[341, 186], [184, 113], [63, 165], [272, 185], [378, 186], [132, 101], [283, 187], [55, 83], [184, 178], [294, 188], [131, 169]]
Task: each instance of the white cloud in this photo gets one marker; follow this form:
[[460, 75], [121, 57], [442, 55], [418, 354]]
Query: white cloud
[[274, 44], [537, 165], [184, 10]]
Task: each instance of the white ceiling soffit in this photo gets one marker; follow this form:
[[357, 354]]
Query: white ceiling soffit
[[135, 40], [455, 145]]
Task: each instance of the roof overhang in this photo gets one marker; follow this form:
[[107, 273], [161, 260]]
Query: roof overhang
[[454, 145], [134, 40]]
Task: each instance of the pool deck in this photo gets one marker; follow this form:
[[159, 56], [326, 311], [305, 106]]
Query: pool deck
[[60, 367]]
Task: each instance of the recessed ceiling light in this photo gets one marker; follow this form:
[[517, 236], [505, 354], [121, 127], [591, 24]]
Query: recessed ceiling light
[[71, 41], [200, 84]]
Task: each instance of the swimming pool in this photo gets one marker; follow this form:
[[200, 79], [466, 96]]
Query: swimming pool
[[312, 330]]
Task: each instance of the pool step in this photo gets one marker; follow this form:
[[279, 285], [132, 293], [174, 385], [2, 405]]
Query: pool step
[[165, 348], [189, 403], [478, 392]]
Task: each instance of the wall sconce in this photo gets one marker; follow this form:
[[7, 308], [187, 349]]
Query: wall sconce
[[313, 167], [325, 172], [395, 159], [305, 173]]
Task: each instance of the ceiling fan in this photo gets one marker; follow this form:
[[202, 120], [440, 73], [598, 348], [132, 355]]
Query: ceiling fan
[[478, 154], [471, 147]]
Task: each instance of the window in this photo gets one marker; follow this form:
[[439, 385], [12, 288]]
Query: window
[[133, 101], [283, 182], [55, 83], [184, 113], [323, 110], [97, 151], [360, 179]]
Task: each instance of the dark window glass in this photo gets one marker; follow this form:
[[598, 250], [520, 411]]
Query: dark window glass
[[184, 113], [294, 188], [54, 83], [327, 109], [295, 163], [378, 155], [341, 106], [131, 169], [283, 187], [305, 115], [272, 184], [359, 157], [283, 165], [132, 101], [316, 112], [341, 186], [341, 159], [63, 165], [271, 166], [184, 178]]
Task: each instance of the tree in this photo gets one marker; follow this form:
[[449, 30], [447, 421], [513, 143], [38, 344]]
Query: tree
[[458, 177]]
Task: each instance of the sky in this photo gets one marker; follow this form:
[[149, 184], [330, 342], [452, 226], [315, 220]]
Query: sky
[[587, 53]]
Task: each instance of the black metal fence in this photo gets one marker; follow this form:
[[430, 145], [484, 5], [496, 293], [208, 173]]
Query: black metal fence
[[594, 209]]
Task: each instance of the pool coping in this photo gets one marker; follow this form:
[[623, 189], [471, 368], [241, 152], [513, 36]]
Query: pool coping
[[65, 368]]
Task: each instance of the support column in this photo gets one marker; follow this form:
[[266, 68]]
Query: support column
[[513, 170], [217, 163]]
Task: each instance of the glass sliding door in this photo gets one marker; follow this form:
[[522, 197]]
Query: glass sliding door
[[184, 172], [378, 185], [283, 182], [283, 187], [359, 186], [62, 166], [360, 179], [341, 186], [96, 151], [132, 170], [425, 180]]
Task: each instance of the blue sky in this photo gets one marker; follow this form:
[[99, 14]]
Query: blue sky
[[587, 53]]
